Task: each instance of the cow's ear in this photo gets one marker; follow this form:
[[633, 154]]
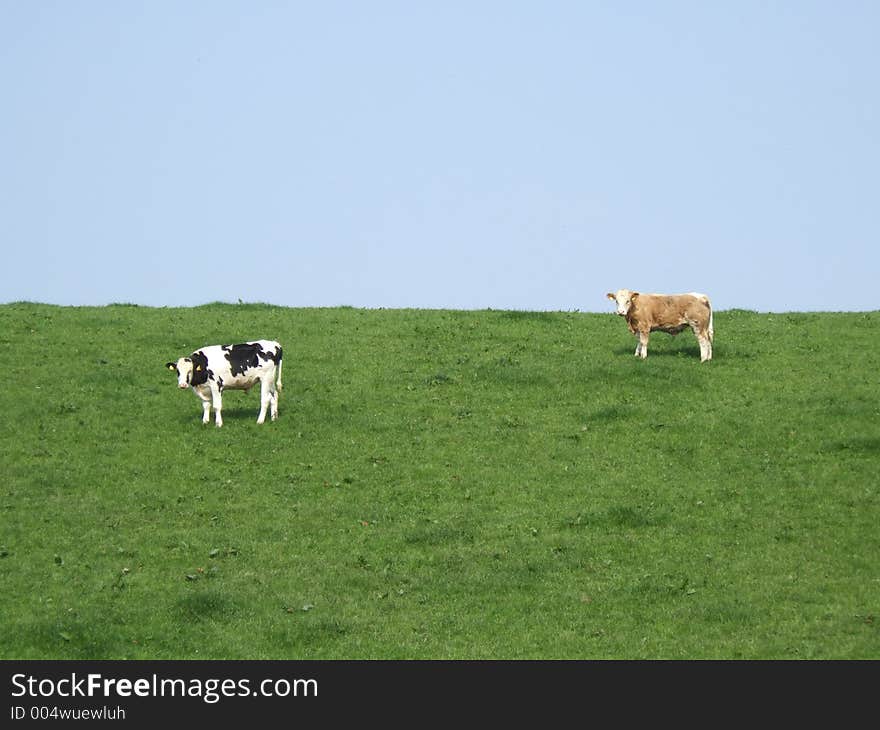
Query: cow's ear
[[171, 365], [609, 295], [633, 296]]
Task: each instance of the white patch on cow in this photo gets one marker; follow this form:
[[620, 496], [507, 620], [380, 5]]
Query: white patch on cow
[[623, 301]]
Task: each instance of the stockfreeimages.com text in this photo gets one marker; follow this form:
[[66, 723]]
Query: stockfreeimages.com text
[[209, 690]]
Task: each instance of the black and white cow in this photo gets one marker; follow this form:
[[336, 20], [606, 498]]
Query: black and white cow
[[216, 368]]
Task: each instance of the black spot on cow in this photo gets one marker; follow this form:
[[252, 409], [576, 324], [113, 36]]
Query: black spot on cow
[[200, 368], [244, 356]]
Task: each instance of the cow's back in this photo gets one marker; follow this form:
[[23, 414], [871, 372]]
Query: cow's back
[[698, 307], [670, 312], [241, 365]]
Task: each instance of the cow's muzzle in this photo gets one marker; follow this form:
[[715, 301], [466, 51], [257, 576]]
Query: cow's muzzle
[[183, 386]]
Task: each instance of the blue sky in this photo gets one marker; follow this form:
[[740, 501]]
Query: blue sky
[[466, 155]]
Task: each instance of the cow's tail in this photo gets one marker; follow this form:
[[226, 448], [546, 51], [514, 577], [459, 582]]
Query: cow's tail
[[279, 385], [711, 330]]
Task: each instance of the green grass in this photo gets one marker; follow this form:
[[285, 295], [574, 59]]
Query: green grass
[[440, 484]]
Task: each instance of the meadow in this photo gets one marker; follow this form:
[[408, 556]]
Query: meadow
[[440, 485]]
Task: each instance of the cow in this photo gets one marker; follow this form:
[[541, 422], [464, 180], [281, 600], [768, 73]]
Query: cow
[[216, 368], [672, 313]]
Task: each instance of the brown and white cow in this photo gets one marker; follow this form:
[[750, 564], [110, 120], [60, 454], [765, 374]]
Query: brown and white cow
[[672, 313]]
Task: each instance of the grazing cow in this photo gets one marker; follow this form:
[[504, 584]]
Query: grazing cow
[[216, 368], [672, 313]]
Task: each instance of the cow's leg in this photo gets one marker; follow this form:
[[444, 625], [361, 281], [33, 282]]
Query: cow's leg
[[206, 407], [705, 342], [206, 404], [705, 348], [642, 347], [264, 399], [217, 398]]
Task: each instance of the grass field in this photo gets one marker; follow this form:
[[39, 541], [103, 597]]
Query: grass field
[[440, 484]]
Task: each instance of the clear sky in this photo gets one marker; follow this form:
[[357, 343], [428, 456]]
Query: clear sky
[[465, 155]]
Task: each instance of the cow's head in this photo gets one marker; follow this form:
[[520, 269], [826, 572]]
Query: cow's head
[[184, 369], [192, 370], [624, 299]]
